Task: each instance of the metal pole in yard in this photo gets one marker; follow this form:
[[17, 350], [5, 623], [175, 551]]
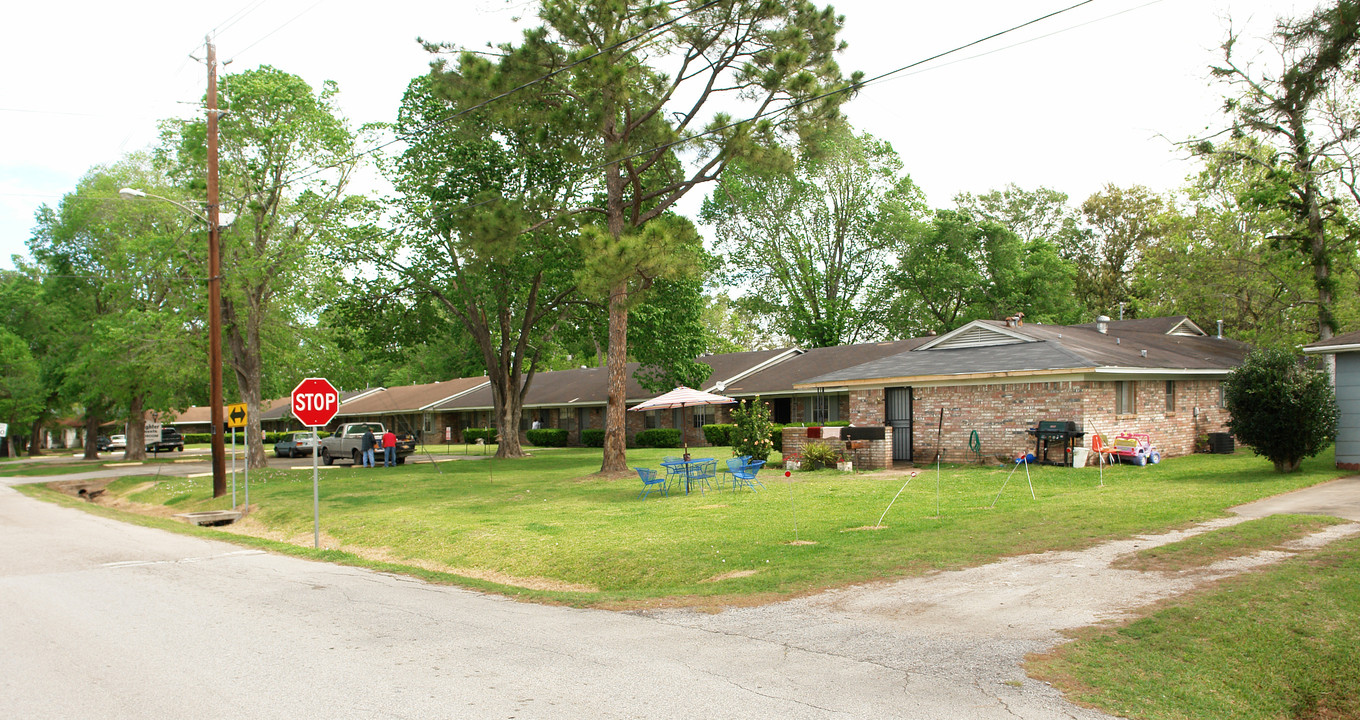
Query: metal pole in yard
[[233, 467], [316, 495]]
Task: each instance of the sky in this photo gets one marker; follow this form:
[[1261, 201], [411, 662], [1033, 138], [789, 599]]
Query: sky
[[1095, 95]]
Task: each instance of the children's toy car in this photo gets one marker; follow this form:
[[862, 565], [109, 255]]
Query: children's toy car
[[1135, 449]]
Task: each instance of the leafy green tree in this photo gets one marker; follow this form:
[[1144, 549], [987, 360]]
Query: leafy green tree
[[1217, 261], [286, 160], [1283, 410], [1303, 112], [1122, 223], [1039, 214], [751, 434], [479, 238], [596, 70], [21, 390], [128, 271], [954, 269], [811, 246]]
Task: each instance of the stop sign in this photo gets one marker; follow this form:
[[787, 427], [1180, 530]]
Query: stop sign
[[315, 402]]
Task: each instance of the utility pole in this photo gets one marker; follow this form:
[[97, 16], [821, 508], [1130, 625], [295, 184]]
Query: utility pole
[[219, 459]]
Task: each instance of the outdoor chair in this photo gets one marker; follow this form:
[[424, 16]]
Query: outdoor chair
[[673, 472], [701, 473], [744, 473], [649, 480]]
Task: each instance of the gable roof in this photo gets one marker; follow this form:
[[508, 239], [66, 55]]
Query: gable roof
[[810, 363], [1347, 342], [1037, 350], [409, 398]]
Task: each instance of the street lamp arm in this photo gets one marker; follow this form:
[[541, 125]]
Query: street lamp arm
[[132, 193]]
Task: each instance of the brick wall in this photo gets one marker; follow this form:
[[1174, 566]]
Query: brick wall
[[874, 455], [1002, 413]]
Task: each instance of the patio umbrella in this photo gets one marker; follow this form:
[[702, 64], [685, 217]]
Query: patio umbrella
[[679, 398]]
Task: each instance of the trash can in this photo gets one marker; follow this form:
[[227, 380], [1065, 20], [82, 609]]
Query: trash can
[[1079, 455]]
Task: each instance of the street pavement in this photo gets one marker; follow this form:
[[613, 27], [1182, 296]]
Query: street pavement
[[102, 619]]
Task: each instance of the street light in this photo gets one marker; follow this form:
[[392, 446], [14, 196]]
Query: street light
[[218, 410]]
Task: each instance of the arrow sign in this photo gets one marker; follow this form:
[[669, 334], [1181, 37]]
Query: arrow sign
[[236, 415]]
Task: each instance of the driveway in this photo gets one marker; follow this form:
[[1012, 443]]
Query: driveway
[[124, 621]]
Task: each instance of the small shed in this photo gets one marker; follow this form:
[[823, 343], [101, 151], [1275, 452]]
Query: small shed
[[1346, 348]]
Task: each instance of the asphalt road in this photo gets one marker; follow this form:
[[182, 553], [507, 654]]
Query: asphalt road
[[103, 619]]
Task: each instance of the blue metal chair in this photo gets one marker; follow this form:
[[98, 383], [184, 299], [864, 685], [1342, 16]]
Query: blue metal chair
[[702, 472], [673, 471], [744, 474], [650, 479]]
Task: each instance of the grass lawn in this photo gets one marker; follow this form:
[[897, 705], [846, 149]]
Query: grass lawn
[[1283, 642], [545, 527], [1208, 548]]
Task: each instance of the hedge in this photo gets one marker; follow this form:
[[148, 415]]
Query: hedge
[[777, 437], [592, 438], [659, 438], [719, 435], [472, 435], [547, 437]]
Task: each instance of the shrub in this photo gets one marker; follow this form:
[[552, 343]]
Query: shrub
[[777, 438], [1283, 410], [547, 437], [819, 455], [719, 434], [751, 434], [487, 435], [660, 438], [592, 438]]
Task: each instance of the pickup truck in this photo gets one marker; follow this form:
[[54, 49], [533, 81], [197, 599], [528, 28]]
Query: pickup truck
[[344, 444]]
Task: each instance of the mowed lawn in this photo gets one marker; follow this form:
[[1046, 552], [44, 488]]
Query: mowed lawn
[[511, 525]]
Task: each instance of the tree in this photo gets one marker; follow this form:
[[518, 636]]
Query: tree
[[469, 188], [811, 246], [955, 269], [21, 391], [752, 428], [595, 66], [1122, 223], [1283, 410], [286, 161], [129, 272], [1304, 113], [1039, 214]]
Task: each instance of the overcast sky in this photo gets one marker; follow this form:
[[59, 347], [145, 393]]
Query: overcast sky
[[1095, 95]]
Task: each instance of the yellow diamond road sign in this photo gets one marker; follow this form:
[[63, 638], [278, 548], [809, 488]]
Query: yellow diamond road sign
[[236, 415]]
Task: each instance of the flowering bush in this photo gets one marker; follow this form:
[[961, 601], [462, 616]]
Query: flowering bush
[[751, 430], [819, 455]]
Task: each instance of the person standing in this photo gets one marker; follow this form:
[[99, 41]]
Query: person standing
[[389, 444], [366, 444]]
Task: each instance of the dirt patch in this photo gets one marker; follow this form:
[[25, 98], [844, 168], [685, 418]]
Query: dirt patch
[[801, 542], [865, 527], [730, 576]]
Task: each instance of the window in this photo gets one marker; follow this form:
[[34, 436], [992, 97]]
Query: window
[[1125, 393], [703, 415], [429, 422], [826, 408], [1171, 396], [651, 419]]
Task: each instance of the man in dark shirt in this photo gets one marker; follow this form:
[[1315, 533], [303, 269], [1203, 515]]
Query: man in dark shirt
[[366, 444]]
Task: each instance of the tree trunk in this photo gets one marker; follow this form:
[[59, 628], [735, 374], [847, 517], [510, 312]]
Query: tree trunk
[[136, 430], [506, 401], [91, 437], [615, 422], [247, 363]]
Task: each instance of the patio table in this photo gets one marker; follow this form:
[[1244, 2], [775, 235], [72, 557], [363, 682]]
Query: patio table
[[687, 467]]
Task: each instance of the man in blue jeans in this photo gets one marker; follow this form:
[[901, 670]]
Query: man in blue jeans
[[366, 444]]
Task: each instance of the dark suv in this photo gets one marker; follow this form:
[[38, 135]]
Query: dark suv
[[170, 440]]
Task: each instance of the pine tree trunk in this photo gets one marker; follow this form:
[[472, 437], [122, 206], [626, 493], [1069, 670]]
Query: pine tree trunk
[[615, 422]]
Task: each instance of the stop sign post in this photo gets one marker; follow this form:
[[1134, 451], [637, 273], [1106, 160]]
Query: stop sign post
[[315, 402]]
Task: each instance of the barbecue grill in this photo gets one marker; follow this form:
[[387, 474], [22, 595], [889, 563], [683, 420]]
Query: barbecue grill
[[1052, 435]]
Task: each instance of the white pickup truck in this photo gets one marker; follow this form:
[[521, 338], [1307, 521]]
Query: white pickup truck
[[345, 443]]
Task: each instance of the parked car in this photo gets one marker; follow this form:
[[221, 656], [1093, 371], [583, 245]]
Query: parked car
[[170, 440], [295, 444], [117, 442], [102, 442]]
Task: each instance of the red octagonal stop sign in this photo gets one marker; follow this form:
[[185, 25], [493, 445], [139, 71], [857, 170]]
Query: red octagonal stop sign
[[315, 402]]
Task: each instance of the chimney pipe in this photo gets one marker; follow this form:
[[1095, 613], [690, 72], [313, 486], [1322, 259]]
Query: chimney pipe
[[1220, 329], [1103, 324]]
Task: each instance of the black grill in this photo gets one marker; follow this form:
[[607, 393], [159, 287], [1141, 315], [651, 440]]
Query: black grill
[[1055, 435]]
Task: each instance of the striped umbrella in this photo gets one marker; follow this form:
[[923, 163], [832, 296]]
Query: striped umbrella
[[679, 398]]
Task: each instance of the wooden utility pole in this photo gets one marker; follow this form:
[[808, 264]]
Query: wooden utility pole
[[219, 454]]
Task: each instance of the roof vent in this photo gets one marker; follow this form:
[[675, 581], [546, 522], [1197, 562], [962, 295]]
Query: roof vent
[[1142, 353], [1220, 329], [1103, 324]]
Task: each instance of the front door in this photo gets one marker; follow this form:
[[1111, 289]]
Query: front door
[[899, 419]]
